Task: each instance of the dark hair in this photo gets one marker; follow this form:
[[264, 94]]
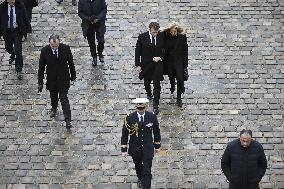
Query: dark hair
[[246, 131], [154, 25], [53, 37]]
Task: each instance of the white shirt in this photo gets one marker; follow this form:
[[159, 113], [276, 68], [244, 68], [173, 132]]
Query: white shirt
[[139, 116], [155, 40], [14, 16], [55, 51]]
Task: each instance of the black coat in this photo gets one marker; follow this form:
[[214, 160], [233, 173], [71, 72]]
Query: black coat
[[176, 58], [244, 167], [144, 54], [88, 11], [21, 17], [30, 3], [59, 70], [144, 141]]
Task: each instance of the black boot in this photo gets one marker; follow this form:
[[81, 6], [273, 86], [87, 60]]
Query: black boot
[[95, 61], [101, 58], [156, 106], [179, 101], [68, 124]]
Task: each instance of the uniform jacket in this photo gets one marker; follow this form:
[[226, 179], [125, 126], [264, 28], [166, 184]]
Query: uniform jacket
[[144, 54], [244, 167], [88, 13], [59, 70], [144, 140], [176, 58], [21, 17]]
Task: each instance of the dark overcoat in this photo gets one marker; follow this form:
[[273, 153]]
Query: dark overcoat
[[176, 58], [24, 25], [145, 51], [88, 11], [59, 70], [142, 141], [30, 3], [244, 167]]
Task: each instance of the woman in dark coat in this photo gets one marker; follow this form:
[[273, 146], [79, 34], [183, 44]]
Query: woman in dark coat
[[30, 4], [176, 59]]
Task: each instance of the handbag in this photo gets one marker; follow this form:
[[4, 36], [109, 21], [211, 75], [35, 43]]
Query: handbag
[[185, 74]]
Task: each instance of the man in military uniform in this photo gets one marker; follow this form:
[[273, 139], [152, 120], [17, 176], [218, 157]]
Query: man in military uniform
[[141, 125]]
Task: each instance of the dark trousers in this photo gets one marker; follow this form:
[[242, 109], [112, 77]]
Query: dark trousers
[[179, 86], [156, 90], [13, 45], [93, 34], [143, 170], [55, 95]]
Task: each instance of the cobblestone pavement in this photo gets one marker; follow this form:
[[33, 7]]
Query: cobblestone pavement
[[236, 58]]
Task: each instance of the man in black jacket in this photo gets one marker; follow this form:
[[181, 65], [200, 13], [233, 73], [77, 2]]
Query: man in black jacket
[[14, 24], [244, 162], [141, 125], [93, 15], [58, 60], [149, 54]]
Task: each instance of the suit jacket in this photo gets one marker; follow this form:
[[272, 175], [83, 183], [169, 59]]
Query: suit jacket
[[22, 18], [88, 11], [176, 58], [143, 140], [144, 54], [59, 70]]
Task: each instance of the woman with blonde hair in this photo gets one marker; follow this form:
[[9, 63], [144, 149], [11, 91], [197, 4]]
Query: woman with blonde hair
[[176, 60]]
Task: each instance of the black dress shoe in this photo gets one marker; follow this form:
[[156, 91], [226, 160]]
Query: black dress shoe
[[68, 124], [12, 58], [139, 184], [19, 75], [95, 61], [74, 2], [59, 1], [101, 58], [52, 113]]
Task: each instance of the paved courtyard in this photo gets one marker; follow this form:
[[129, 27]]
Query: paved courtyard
[[236, 67]]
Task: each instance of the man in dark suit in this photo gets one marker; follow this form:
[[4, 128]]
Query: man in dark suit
[[149, 54], [14, 23], [58, 60], [93, 15], [141, 125]]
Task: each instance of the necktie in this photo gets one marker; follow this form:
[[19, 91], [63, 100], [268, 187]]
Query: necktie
[[55, 53], [141, 120], [11, 18], [153, 40]]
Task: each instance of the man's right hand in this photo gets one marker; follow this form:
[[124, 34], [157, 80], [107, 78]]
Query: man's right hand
[[39, 88], [124, 154]]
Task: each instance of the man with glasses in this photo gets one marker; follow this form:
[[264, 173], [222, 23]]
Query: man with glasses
[[141, 126], [149, 54]]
